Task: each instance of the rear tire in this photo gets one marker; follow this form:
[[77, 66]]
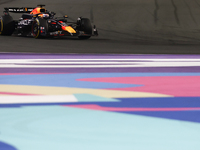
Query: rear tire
[[7, 25], [85, 26]]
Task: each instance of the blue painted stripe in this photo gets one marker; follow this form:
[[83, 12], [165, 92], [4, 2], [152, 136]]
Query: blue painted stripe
[[70, 80]]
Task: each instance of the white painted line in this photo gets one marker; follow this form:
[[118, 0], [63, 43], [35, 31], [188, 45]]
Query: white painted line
[[93, 63], [79, 60], [84, 63], [139, 64], [72, 63], [37, 99]]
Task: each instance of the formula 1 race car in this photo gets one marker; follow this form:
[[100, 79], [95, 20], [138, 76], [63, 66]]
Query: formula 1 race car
[[38, 22]]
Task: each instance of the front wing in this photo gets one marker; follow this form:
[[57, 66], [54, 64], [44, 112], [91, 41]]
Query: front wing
[[66, 33]]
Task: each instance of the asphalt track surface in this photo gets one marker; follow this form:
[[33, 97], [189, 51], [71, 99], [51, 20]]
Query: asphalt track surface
[[128, 26]]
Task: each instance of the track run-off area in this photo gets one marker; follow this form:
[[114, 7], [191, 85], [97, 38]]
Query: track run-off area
[[101, 102]]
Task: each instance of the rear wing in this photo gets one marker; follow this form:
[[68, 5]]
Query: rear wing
[[19, 10]]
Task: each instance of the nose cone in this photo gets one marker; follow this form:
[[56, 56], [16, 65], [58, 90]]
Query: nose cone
[[68, 29]]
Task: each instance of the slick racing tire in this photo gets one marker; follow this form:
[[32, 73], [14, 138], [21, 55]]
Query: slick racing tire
[[86, 26], [36, 28], [7, 25]]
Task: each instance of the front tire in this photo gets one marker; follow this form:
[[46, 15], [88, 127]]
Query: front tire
[[85, 26], [7, 25]]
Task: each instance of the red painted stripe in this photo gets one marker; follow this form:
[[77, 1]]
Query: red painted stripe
[[178, 86], [97, 107]]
